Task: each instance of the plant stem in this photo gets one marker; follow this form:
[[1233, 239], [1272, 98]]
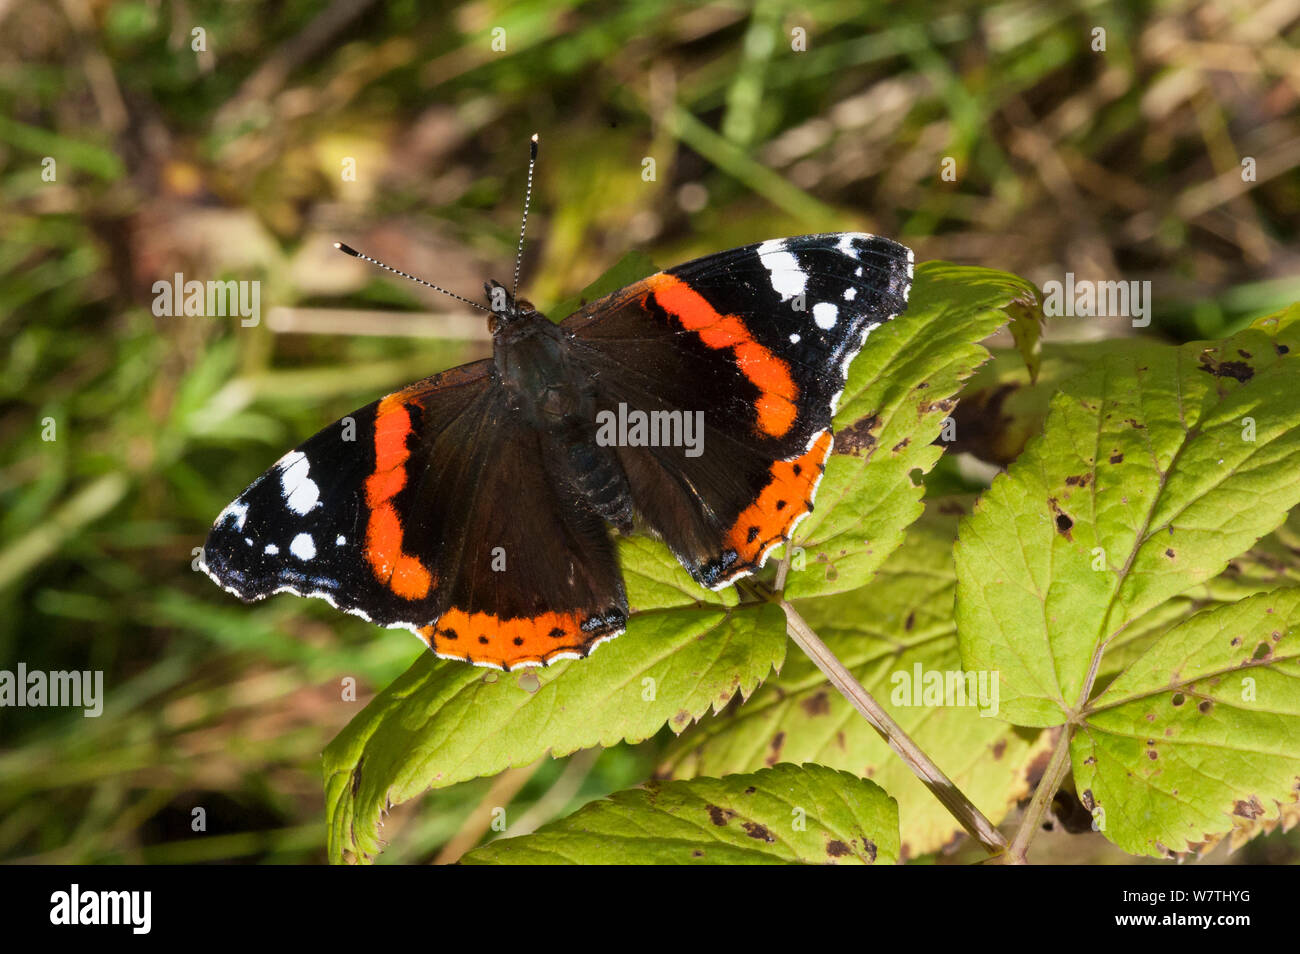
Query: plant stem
[[952, 798], [1043, 795]]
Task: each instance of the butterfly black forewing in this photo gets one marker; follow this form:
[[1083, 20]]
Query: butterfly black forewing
[[407, 525], [759, 339]]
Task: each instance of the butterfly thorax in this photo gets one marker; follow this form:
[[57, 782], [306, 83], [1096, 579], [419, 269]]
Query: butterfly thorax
[[557, 399]]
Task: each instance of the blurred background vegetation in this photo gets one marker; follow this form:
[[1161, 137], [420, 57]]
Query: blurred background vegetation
[[226, 162]]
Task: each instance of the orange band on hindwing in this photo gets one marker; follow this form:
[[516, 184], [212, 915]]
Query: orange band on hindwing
[[488, 640], [787, 497], [402, 573], [771, 375]]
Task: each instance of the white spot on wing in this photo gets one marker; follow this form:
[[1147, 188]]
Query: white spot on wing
[[788, 279], [300, 492], [303, 546], [794, 338], [825, 315], [850, 294], [340, 540]]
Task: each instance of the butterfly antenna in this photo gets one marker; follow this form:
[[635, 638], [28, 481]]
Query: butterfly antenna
[[349, 250], [528, 195]]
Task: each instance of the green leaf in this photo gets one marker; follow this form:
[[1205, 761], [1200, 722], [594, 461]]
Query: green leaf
[[881, 633], [444, 722], [1027, 322], [1272, 563], [784, 815], [1144, 484], [1002, 407], [1200, 728], [899, 392]]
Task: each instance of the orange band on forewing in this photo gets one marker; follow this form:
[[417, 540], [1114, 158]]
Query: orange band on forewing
[[771, 375], [787, 497], [402, 573], [484, 639]]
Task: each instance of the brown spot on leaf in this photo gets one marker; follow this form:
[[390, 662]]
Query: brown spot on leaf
[[356, 777], [910, 621], [1035, 769], [999, 749], [901, 444], [1116, 457], [858, 438], [1078, 480], [818, 704], [870, 848], [719, 816], [1063, 521], [1205, 706], [945, 405], [836, 848], [1250, 809], [774, 756], [1178, 699], [755, 830], [1262, 651], [1237, 370], [1281, 348], [1169, 553]]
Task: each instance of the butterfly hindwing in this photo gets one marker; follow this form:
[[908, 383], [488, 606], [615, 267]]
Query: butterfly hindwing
[[531, 572]]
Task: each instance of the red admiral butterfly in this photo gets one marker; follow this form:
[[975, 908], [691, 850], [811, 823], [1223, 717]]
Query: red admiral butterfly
[[472, 507]]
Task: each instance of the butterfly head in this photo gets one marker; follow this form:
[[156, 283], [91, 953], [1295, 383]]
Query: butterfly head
[[505, 309]]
